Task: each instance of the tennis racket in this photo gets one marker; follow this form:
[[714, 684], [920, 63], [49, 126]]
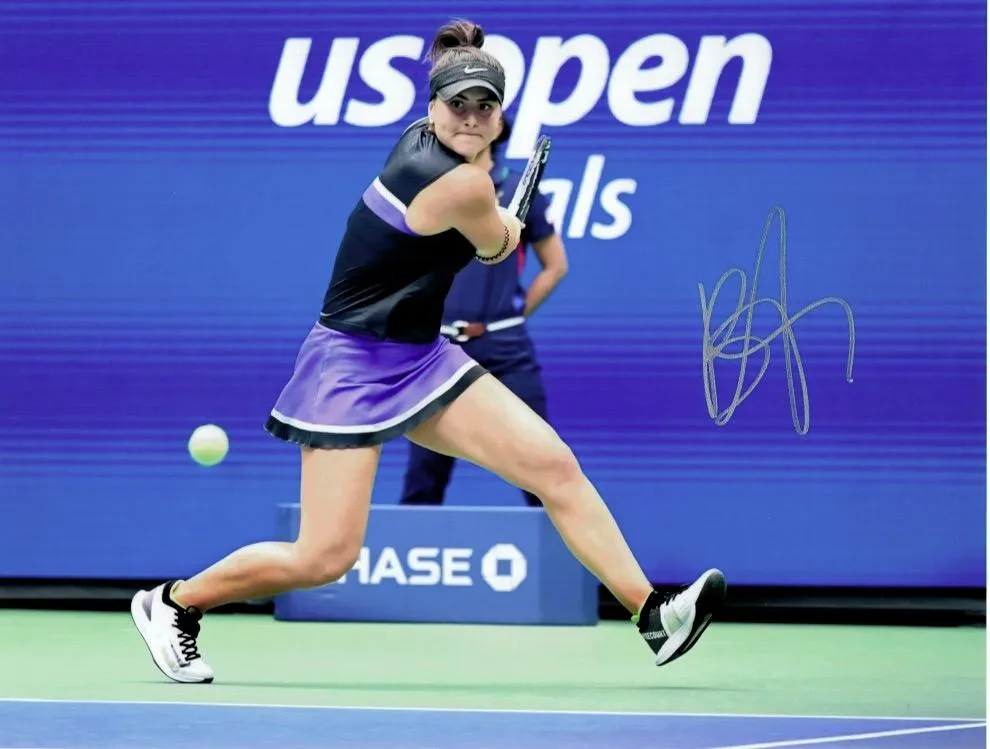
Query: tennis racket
[[530, 180]]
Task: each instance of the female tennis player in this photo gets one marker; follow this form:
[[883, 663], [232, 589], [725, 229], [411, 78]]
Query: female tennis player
[[375, 366]]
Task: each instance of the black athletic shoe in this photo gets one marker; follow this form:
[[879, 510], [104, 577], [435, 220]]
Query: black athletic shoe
[[672, 624]]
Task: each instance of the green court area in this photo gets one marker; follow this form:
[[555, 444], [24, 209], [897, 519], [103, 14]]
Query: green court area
[[741, 669]]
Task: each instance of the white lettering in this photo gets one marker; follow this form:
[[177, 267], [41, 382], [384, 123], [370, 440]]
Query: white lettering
[[508, 53], [535, 107], [629, 78], [360, 567], [586, 195], [457, 566], [424, 566], [559, 192], [713, 55], [651, 64], [615, 208], [324, 108], [398, 92], [388, 567]]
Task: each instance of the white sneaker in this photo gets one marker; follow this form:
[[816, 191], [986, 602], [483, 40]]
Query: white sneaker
[[170, 633], [672, 624]]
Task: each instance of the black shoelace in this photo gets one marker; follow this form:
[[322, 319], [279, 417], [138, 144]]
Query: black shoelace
[[187, 622]]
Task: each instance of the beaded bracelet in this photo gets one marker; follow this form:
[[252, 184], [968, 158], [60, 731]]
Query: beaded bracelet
[[502, 251]]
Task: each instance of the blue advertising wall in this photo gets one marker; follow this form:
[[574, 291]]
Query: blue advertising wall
[[174, 177]]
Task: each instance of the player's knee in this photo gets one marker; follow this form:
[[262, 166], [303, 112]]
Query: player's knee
[[326, 563], [555, 470]]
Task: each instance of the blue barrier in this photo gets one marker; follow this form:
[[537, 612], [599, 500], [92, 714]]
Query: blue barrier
[[197, 227], [489, 565]]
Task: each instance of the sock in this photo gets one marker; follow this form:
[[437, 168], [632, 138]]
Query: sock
[[171, 594]]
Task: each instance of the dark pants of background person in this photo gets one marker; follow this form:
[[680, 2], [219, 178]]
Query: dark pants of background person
[[512, 360]]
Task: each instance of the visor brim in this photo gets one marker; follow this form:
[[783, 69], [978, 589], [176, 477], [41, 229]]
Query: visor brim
[[451, 90]]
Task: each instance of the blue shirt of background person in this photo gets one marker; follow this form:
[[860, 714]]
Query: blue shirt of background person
[[493, 295], [487, 293]]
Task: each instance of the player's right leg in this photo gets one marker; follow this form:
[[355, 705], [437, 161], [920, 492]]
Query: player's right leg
[[335, 497]]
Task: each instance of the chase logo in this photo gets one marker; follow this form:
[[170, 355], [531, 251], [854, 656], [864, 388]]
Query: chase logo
[[503, 568]]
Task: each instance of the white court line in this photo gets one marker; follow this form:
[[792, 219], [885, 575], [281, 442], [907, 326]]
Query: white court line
[[852, 737], [496, 710]]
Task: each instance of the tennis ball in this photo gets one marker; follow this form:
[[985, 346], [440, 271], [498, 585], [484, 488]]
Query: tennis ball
[[208, 445]]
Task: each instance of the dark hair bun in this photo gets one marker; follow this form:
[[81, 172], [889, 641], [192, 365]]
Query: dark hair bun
[[459, 33]]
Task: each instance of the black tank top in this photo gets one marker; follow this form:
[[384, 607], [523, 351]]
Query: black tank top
[[388, 282]]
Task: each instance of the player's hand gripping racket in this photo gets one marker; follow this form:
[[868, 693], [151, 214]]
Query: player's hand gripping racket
[[530, 180]]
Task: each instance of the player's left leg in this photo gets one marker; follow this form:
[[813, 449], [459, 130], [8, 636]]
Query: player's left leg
[[527, 384]]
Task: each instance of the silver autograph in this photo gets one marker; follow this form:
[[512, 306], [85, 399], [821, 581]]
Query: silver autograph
[[718, 341]]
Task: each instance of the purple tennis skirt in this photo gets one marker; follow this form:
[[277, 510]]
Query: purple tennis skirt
[[348, 391]]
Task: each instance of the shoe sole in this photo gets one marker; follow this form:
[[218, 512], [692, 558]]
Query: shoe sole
[[141, 623], [709, 601]]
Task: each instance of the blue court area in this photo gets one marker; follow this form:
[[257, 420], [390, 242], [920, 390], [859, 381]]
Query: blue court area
[[123, 725]]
